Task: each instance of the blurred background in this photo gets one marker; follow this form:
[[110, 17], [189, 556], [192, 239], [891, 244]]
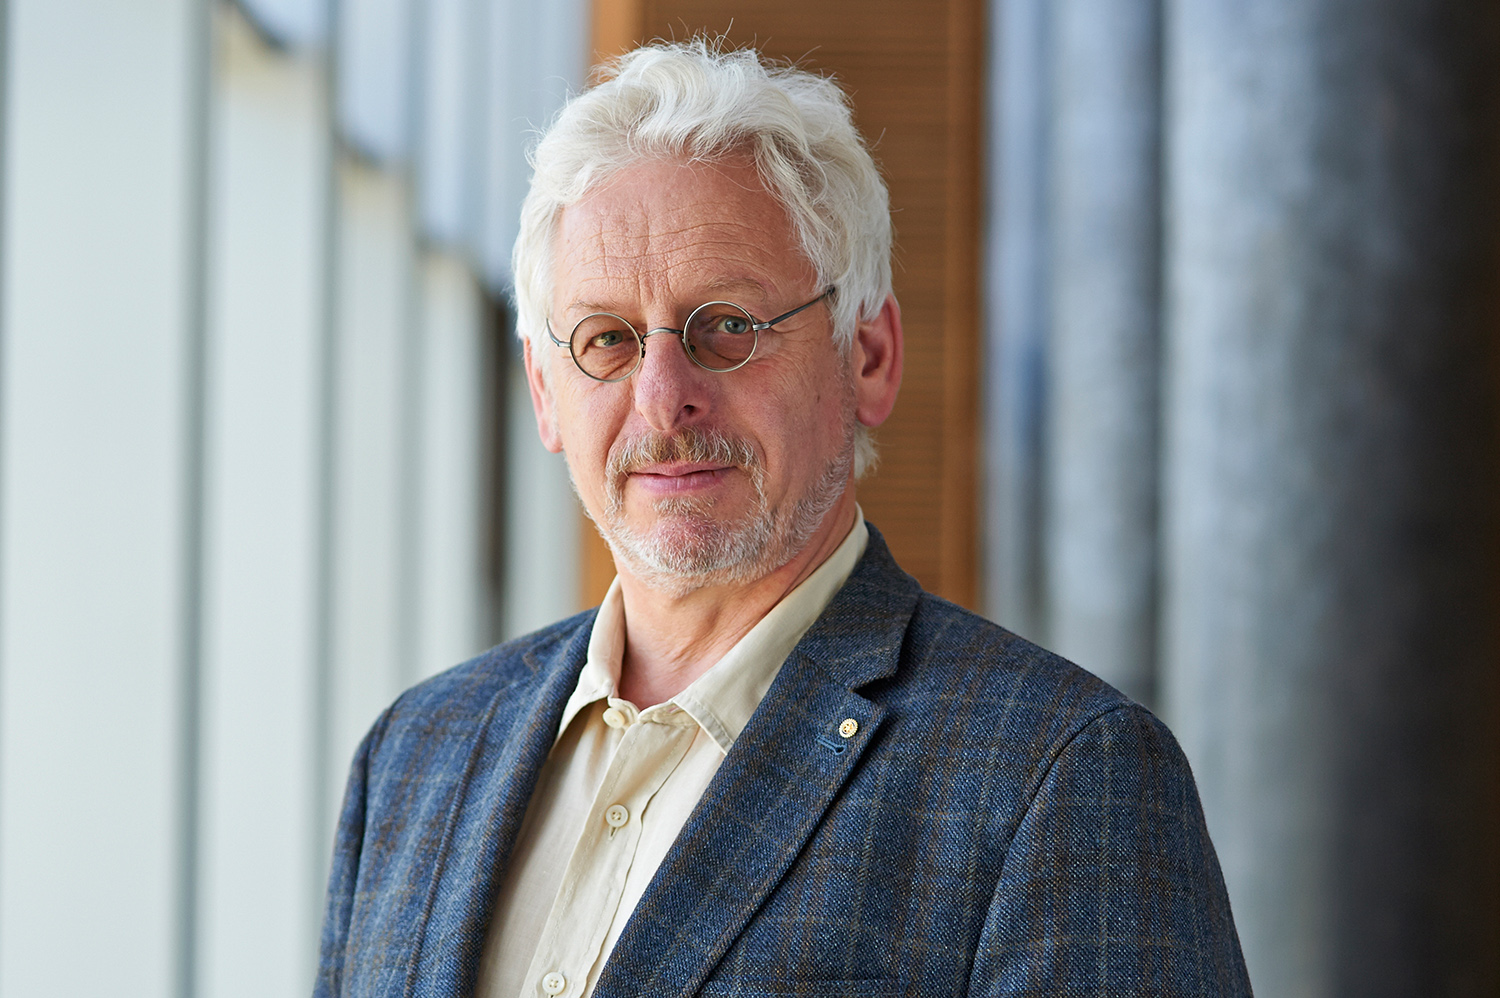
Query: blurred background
[[1202, 311]]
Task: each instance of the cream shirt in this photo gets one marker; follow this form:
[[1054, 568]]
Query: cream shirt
[[619, 785]]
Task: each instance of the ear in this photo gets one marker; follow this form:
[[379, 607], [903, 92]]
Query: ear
[[875, 360], [541, 400]]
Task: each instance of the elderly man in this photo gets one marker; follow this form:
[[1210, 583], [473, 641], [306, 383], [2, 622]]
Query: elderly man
[[769, 763]]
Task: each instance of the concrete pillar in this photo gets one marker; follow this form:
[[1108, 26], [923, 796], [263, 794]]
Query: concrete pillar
[[1100, 491], [1329, 628], [1016, 285]]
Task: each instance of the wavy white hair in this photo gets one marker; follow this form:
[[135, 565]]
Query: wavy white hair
[[695, 101]]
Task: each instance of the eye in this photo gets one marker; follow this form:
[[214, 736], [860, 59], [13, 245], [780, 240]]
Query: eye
[[733, 324], [612, 338]]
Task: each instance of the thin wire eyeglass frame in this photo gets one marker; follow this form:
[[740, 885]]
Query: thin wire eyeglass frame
[[682, 335]]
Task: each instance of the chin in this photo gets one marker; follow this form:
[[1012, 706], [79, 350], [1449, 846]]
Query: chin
[[685, 547], [681, 544], [686, 550]]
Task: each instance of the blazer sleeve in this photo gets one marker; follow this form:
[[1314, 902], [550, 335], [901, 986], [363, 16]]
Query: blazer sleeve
[[343, 877], [1110, 884]]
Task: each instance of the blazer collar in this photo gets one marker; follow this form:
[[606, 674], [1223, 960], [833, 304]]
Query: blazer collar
[[772, 788], [512, 739]]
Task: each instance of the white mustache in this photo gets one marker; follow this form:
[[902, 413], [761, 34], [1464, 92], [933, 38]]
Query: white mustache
[[689, 445]]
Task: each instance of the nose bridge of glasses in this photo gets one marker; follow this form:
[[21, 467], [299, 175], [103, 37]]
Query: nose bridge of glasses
[[677, 333]]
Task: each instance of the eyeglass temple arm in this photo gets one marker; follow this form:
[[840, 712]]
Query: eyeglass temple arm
[[787, 315]]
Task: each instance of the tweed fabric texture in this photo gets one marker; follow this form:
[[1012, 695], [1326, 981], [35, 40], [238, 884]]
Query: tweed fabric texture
[[1001, 823]]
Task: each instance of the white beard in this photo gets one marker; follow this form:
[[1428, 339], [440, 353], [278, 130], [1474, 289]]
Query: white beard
[[687, 548]]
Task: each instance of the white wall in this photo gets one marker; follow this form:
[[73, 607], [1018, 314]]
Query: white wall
[[452, 531], [265, 403], [243, 446], [373, 291], [102, 144]]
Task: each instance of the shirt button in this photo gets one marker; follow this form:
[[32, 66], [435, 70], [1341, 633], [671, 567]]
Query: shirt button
[[616, 815], [615, 717], [554, 983]]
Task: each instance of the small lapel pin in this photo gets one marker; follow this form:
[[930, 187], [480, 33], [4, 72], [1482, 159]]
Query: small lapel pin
[[849, 727]]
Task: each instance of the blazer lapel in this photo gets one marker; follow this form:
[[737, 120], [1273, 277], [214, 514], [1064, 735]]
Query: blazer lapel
[[484, 816], [771, 791]]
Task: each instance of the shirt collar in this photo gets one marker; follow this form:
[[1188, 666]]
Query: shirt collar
[[723, 698], [601, 669]]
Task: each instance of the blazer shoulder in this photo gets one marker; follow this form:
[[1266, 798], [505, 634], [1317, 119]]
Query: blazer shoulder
[[940, 628], [952, 655]]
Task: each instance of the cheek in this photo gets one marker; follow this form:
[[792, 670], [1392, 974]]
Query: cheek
[[590, 422], [802, 418], [817, 395]]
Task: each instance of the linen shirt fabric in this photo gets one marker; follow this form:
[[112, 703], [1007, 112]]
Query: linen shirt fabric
[[619, 785], [1002, 823]]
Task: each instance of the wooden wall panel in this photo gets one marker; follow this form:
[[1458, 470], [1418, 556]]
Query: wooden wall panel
[[914, 72]]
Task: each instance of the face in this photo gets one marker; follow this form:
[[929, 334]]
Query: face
[[696, 477]]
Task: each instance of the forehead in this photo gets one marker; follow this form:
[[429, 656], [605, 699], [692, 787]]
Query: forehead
[[667, 231]]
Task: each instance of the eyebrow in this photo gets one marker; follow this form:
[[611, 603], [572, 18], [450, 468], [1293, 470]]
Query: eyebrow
[[588, 306], [727, 284], [719, 286]]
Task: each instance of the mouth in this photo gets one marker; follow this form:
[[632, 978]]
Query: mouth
[[691, 467], [679, 477]]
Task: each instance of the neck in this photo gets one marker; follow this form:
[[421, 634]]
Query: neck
[[671, 640]]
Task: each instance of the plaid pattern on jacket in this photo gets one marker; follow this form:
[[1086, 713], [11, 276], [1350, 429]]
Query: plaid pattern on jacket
[[1001, 823]]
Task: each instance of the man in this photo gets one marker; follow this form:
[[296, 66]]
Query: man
[[768, 764]]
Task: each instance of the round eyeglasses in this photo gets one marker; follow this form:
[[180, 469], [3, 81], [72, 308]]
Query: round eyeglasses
[[719, 336]]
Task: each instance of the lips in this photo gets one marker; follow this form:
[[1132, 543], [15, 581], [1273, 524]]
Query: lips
[[676, 478], [690, 461], [676, 469]]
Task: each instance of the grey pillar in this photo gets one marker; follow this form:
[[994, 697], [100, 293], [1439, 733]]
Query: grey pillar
[[1016, 286], [1331, 563], [1100, 491]]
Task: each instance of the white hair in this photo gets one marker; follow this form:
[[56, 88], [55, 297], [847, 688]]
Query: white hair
[[693, 101]]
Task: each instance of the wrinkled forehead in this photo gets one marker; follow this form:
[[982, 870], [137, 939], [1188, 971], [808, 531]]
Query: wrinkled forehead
[[659, 230]]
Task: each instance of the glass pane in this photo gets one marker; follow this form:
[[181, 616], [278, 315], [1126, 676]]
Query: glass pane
[[293, 23], [374, 85]]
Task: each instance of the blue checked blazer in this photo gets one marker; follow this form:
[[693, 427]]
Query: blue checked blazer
[[1002, 823]]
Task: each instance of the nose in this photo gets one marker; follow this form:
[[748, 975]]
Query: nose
[[670, 390]]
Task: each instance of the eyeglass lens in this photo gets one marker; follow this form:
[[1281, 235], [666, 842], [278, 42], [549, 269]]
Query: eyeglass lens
[[720, 337]]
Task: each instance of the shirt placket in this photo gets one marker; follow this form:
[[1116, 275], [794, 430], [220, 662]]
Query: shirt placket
[[571, 948]]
